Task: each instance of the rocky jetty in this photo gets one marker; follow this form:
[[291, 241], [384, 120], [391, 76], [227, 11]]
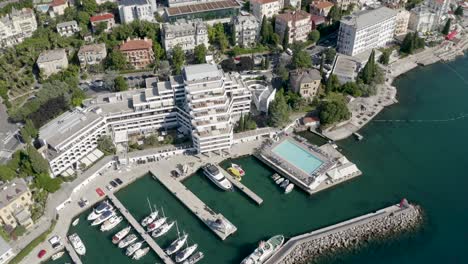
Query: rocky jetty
[[350, 234]]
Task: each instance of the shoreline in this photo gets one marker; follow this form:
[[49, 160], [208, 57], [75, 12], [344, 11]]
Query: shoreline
[[387, 92]]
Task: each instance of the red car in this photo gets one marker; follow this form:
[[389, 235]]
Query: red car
[[41, 253], [100, 192]]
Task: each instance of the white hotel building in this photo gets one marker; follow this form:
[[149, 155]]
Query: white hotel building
[[366, 30], [204, 101]]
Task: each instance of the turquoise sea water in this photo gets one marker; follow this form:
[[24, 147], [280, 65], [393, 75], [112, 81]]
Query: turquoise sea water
[[297, 156], [425, 161]]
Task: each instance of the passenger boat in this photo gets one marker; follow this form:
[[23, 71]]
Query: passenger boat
[[176, 245], [77, 244], [111, 223], [156, 224], [279, 180], [75, 222], [238, 168], [284, 183], [133, 247], [140, 253], [150, 218], [98, 210], [184, 254], [216, 176], [289, 188], [194, 258], [121, 234], [265, 250], [103, 217], [162, 230], [128, 240], [58, 255]]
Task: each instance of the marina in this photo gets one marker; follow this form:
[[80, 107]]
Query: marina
[[241, 187]]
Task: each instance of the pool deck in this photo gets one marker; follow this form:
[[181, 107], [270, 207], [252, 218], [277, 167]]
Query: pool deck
[[251, 194], [194, 204]]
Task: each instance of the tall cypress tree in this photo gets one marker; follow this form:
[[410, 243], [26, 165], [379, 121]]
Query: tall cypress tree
[[368, 71], [264, 31], [446, 29], [286, 38]]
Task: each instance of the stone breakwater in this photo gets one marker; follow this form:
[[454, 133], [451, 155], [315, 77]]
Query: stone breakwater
[[348, 235]]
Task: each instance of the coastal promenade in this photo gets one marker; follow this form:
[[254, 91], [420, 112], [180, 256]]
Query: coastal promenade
[[246, 190], [195, 205], [141, 231]]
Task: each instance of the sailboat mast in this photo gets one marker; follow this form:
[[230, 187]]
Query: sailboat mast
[[149, 204]]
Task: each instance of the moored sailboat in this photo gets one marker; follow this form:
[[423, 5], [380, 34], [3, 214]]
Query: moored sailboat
[[127, 240], [140, 253], [194, 258], [121, 234], [184, 254]]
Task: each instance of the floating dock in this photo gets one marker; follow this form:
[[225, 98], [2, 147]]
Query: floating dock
[[257, 199], [194, 204], [71, 251], [141, 231]]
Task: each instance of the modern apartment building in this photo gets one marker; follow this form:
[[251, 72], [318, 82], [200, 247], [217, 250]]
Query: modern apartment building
[[267, 8], [17, 26], [92, 54], [205, 10], [67, 29], [139, 52], [297, 23], [204, 101], [402, 21], [15, 200], [107, 18], [247, 29], [187, 35], [130, 10], [175, 3], [52, 61], [366, 30]]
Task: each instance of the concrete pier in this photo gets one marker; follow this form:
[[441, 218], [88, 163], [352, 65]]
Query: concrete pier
[[141, 231], [194, 204], [257, 199], [71, 251]]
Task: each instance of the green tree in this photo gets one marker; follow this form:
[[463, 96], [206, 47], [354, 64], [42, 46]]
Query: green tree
[[368, 72], [158, 52], [77, 97], [385, 57], [334, 14], [89, 6], [43, 181], [459, 11], [100, 28], [332, 84], [447, 26], [116, 61], [38, 163], [120, 84], [264, 34], [30, 128], [286, 38], [314, 36], [200, 53], [333, 111], [278, 112], [330, 55], [6, 173], [106, 145], [178, 59], [301, 60]]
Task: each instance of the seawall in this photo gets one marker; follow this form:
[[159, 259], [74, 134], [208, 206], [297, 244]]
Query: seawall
[[349, 234]]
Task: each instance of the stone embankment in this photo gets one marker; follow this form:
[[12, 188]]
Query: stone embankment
[[348, 235]]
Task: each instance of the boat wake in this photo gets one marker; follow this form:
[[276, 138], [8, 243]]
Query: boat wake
[[462, 116]]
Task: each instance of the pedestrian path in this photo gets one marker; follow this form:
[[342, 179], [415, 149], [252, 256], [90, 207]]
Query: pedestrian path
[[257, 199]]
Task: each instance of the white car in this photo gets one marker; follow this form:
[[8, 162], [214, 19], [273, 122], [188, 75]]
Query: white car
[[55, 242], [109, 187]]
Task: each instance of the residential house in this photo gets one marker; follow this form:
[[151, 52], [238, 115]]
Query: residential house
[[305, 82], [395, 4], [297, 24], [293, 3], [402, 21], [15, 200], [139, 52], [106, 18], [186, 34], [130, 10], [92, 54], [344, 4], [52, 61], [317, 20], [57, 8], [6, 251], [429, 16], [320, 8], [42, 6], [265, 8], [247, 29], [16, 26], [67, 29], [366, 30]]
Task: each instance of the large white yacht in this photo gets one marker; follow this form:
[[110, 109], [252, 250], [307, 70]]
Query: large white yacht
[[265, 250], [77, 244], [216, 176]]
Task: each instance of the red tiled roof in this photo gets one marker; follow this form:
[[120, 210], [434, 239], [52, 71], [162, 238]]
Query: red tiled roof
[[263, 1], [201, 7], [310, 119], [136, 44], [321, 4], [101, 17], [293, 16], [318, 19], [59, 2]]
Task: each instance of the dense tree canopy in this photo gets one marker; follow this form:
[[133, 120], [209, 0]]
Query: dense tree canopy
[[447, 26], [120, 84], [314, 36], [178, 59], [411, 43], [200, 53], [278, 112], [333, 111]]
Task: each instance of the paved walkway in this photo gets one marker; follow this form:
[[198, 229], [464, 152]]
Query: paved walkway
[[136, 225], [241, 187]]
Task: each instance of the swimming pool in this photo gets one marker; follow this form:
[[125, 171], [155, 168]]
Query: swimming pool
[[297, 156]]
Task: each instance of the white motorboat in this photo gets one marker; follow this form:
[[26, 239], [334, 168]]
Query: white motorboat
[[265, 250], [194, 258], [279, 180], [275, 177], [103, 217], [150, 218], [121, 234], [133, 247], [140, 253], [98, 210], [127, 240], [184, 254], [75, 222], [216, 176], [284, 183], [162, 230], [221, 225], [77, 244], [238, 168], [156, 224], [289, 188], [58, 255], [176, 244], [111, 223]]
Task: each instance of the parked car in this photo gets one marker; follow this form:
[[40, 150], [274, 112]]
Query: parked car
[[55, 242], [109, 187], [114, 184], [119, 181], [41, 253]]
